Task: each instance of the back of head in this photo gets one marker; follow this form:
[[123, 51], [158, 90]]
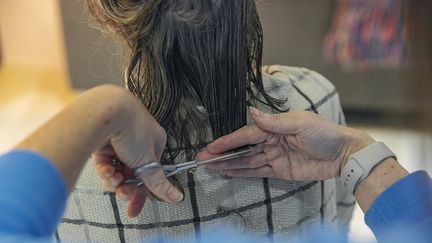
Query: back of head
[[189, 60]]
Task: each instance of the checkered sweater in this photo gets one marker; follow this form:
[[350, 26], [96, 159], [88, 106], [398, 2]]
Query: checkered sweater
[[273, 208]]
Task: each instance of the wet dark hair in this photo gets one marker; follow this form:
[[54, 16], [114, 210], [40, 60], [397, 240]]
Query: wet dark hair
[[189, 61]]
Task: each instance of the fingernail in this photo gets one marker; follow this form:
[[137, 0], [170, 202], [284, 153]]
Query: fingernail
[[255, 112], [174, 195]]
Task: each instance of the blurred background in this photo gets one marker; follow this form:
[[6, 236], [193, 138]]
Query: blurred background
[[49, 53]]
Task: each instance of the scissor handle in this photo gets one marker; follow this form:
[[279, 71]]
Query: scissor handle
[[137, 181], [148, 166], [169, 170]]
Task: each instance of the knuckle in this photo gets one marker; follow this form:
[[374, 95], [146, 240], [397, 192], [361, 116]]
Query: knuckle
[[254, 162], [227, 139], [251, 133], [242, 162], [309, 115], [159, 184], [276, 117], [108, 187], [98, 168], [162, 134]]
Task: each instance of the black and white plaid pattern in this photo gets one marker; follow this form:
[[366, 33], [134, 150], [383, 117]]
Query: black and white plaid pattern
[[271, 207]]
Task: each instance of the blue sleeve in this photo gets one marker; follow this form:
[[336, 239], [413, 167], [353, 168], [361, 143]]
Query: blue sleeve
[[405, 204], [32, 194]]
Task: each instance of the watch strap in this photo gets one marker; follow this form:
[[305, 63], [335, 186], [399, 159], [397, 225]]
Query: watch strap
[[360, 164]]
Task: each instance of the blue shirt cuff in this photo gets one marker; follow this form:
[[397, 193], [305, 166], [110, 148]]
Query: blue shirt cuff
[[33, 194], [406, 202]]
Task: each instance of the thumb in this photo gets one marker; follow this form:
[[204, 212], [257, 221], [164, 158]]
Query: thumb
[[276, 123]]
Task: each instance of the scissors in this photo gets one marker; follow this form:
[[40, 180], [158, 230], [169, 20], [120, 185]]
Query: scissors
[[171, 170]]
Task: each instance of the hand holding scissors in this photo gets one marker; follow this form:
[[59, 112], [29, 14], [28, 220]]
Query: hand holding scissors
[[131, 188]]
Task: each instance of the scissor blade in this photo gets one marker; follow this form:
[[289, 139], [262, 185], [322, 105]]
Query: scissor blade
[[171, 170], [232, 155]]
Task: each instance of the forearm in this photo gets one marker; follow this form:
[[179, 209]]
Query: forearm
[[382, 176], [69, 138]]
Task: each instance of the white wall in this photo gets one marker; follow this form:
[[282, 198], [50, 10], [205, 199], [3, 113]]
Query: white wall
[[31, 34]]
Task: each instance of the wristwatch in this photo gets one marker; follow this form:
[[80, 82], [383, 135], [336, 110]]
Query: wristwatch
[[360, 164]]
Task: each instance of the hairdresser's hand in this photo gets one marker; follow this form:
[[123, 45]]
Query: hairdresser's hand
[[140, 140], [112, 177], [293, 146], [110, 123]]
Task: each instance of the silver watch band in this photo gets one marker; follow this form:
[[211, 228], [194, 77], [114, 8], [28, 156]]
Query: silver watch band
[[360, 164]]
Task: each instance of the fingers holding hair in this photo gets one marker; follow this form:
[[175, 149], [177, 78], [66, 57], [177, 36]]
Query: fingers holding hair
[[282, 123], [247, 135], [251, 162]]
